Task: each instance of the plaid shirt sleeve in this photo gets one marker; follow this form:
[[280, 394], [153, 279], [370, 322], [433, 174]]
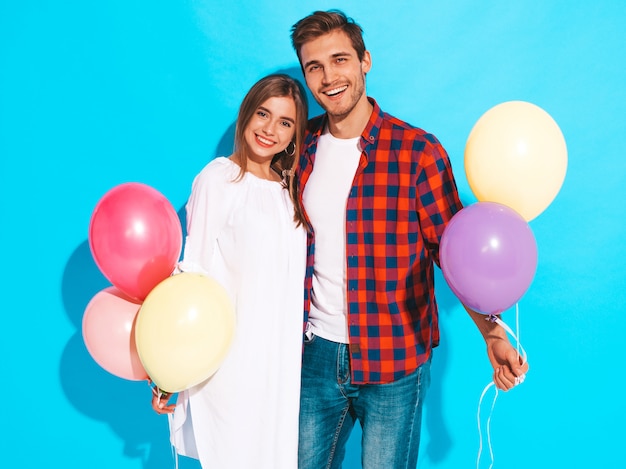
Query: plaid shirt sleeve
[[402, 197], [437, 193]]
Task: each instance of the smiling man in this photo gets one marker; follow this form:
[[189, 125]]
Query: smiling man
[[335, 74], [377, 194]]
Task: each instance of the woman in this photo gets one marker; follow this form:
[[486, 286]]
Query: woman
[[244, 232]]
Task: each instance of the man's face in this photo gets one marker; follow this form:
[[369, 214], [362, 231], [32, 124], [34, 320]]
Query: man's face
[[334, 73]]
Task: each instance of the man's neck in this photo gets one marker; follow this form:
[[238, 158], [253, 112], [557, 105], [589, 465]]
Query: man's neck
[[352, 124]]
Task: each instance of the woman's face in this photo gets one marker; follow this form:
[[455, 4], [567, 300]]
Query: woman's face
[[271, 128]]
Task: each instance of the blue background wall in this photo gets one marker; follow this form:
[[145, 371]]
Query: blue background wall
[[94, 94]]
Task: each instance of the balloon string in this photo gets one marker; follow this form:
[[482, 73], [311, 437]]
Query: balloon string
[[156, 390], [519, 343], [170, 421], [480, 435], [517, 325], [501, 323], [518, 380]]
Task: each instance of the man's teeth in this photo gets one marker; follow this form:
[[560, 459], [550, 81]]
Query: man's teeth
[[336, 91]]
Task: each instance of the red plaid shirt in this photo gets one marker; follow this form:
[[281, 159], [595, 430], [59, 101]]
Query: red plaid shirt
[[402, 196]]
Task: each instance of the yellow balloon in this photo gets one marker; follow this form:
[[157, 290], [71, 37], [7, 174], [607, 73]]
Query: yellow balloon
[[516, 155], [183, 330]]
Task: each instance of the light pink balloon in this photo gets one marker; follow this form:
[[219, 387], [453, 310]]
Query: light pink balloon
[[135, 238], [109, 333]]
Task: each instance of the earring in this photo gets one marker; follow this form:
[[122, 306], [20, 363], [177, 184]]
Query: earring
[[293, 149]]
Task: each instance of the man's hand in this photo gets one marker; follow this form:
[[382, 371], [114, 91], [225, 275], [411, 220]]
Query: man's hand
[[508, 367]]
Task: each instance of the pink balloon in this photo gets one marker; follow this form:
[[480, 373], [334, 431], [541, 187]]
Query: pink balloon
[[488, 256], [109, 333], [135, 238]]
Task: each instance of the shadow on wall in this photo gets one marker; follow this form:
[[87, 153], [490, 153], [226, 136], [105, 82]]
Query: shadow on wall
[[92, 390]]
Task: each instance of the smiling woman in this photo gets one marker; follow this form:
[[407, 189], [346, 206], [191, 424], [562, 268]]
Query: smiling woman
[[270, 131], [244, 232]]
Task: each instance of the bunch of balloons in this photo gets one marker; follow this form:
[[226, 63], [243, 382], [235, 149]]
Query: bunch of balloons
[[515, 162], [151, 324]]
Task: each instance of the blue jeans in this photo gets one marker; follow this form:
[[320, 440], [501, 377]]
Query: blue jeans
[[390, 414]]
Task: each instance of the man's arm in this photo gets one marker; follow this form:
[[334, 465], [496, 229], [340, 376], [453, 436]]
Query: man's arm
[[509, 368]]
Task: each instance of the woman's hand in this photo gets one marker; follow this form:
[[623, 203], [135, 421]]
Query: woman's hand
[[160, 401]]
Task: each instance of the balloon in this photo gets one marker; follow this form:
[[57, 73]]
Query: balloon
[[184, 329], [488, 256], [109, 333], [516, 155], [135, 238]]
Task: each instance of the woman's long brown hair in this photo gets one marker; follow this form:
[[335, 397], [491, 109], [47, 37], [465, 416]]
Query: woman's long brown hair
[[277, 85]]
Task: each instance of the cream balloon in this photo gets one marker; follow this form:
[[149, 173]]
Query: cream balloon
[[516, 155], [183, 330]]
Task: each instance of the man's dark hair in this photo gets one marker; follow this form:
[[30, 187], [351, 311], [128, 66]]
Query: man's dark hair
[[320, 23]]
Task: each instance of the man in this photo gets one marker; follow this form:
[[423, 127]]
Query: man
[[377, 193]]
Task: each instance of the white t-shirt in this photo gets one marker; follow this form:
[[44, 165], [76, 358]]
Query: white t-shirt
[[325, 197]]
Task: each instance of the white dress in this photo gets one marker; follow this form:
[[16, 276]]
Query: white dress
[[242, 234]]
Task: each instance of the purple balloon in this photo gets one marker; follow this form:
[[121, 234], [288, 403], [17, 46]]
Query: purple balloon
[[488, 256]]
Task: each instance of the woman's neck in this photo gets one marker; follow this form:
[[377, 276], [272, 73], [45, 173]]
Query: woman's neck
[[262, 170]]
